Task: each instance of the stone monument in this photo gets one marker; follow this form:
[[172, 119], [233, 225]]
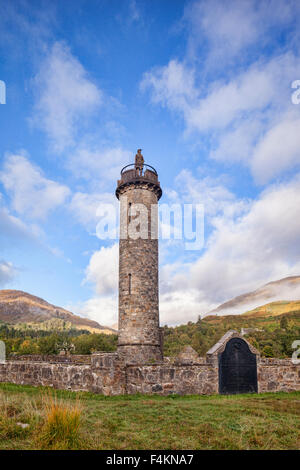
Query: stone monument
[[139, 191]]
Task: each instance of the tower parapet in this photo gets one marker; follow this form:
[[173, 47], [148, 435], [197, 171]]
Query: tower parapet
[[138, 191], [130, 175]]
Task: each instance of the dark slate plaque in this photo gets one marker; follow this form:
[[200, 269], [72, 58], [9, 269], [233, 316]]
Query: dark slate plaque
[[237, 368]]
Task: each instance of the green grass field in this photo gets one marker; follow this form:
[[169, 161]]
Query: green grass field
[[267, 421]]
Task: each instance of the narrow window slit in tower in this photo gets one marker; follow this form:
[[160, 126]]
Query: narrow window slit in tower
[[129, 284], [129, 213]]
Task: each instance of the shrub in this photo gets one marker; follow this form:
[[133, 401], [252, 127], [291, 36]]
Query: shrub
[[28, 347], [48, 344], [61, 427], [267, 351]]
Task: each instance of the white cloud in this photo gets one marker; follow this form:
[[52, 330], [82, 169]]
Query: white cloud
[[211, 192], [244, 252], [101, 167], [103, 309], [259, 86], [102, 273], [7, 272], [14, 232], [227, 29], [93, 162], [234, 25], [65, 95], [102, 270], [14, 228], [236, 145], [25, 28], [172, 85], [278, 150], [85, 207], [227, 102], [244, 117], [231, 88], [179, 307], [31, 192]]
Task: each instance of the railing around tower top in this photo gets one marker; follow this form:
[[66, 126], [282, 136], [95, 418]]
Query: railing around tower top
[[132, 166], [132, 172]]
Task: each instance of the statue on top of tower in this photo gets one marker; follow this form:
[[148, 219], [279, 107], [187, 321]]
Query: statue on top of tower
[[139, 162]]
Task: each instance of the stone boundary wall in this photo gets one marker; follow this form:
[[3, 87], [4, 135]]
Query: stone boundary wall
[[184, 379], [108, 373], [277, 375], [103, 375], [274, 375], [61, 376]]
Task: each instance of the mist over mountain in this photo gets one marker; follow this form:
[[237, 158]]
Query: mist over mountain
[[284, 289]]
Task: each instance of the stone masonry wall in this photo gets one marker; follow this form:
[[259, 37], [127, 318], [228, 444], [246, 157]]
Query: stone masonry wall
[[107, 375], [164, 379], [277, 375], [103, 375], [274, 375]]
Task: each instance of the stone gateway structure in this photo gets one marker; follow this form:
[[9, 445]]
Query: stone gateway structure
[[230, 366], [237, 368]]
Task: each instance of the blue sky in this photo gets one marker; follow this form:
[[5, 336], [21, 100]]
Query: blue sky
[[204, 88]]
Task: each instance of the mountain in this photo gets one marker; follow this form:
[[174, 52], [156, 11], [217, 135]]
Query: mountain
[[274, 309], [267, 314], [284, 289], [17, 307]]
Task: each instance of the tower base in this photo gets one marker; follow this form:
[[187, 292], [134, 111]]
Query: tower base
[[140, 353]]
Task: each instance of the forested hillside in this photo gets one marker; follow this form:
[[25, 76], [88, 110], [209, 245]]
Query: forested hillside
[[271, 334]]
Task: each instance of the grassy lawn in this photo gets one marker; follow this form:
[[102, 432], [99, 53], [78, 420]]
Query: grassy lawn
[[267, 421]]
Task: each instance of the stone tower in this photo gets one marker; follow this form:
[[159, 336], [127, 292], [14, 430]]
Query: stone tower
[[138, 191]]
